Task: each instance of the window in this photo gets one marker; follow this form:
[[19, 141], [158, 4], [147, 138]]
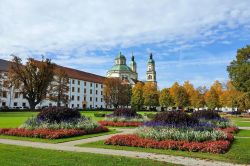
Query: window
[[15, 104], [79, 82], [4, 94], [84, 98], [96, 92], [101, 99], [96, 99], [16, 94], [85, 83], [78, 98], [73, 89], [96, 85], [67, 105], [72, 97], [67, 97], [72, 105], [90, 91], [149, 77], [73, 81], [3, 104], [101, 92], [90, 99], [77, 105], [91, 84], [24, 104], [95, 106], [90, 106], [78, 90], [85, 90], [101, 86]]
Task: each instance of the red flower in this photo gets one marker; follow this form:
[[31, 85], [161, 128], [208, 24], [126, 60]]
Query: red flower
[[136, 141]]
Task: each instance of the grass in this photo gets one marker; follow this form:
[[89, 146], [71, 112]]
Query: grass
[[243, 133], [235, 154], [11, 155], [54, 141]]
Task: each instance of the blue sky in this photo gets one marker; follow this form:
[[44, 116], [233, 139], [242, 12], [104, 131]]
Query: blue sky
[[190, 40]]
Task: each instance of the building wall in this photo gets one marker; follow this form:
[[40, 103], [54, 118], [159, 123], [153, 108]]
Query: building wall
[[91, 97]]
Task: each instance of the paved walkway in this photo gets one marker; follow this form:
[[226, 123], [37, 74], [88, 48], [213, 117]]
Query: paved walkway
[[244, 128], [70, 146]]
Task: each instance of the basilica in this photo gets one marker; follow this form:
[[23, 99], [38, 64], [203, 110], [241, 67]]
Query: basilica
[[129, 73]]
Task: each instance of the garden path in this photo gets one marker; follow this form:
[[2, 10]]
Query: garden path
[[244, 128], [69, 146]]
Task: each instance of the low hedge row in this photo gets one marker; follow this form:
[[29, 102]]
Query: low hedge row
[[121, 124], [221, 146]]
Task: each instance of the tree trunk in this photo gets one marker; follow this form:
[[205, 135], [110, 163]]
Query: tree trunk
[[32, 104]]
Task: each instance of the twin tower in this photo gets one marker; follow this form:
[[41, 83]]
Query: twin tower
[[121, 70]]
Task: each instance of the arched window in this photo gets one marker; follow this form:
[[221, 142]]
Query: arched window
[[149, 77]]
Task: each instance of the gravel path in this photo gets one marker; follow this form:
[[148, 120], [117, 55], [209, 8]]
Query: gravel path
[[70, 146]]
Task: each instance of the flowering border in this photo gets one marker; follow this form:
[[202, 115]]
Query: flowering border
[[49, 134], [120, 124], [220, 146]]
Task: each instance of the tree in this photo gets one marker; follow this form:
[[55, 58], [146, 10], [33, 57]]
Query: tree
[[239, 70], [181, 97], [150, 95], [1, 84], [165, 98], [59, 88], [212, 99], [32, 79], [137, 99], [192, 94], [125, 95], [243, 102]]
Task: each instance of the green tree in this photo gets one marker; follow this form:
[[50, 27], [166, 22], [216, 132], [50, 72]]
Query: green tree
[[137, 99], [59, 88], [181, 98], [32, 79], [239, 70], [150, 95], [212, 99], [165, 99]]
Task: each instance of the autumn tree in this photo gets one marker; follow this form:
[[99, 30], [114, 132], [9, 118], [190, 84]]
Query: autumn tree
[[59, 87], [150, 95], [137, 99], [239, 70], [193, 96], [32, 79], [212, 99], [165, 99]]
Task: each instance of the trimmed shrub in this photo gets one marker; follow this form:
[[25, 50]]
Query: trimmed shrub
[[175, 118], [206, 114], [149, 115], [58, 114], [120, 124], [99, 114], [125, 112]]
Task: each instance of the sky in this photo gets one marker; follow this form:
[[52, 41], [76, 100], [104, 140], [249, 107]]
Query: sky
[[190, 40]]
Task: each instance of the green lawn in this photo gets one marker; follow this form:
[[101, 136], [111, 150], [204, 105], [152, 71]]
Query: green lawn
[[235, 155], [23, 156], [243, 133]]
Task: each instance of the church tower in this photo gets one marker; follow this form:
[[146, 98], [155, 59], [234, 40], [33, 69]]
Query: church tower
[[151, 73], [133, 65]]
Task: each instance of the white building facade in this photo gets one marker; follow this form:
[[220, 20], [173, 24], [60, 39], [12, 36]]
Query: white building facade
[[85, 91]]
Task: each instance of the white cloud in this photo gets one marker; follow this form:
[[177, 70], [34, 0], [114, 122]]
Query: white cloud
[[44, 25]]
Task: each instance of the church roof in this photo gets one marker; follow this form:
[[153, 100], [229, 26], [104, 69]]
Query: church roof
[[120, 68], [119, 56]]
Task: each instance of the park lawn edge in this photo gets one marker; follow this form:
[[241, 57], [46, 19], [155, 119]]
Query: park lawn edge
[[32, 156], [200, 155]]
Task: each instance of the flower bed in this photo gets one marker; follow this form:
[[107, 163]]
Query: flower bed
[[220, 146], [120, 124], [49, 134]]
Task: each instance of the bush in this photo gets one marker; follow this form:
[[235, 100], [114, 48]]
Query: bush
[[206, 114], [58, 114], [120, 124], [175, 118], [125, 112], [98, 114], [150, 115]]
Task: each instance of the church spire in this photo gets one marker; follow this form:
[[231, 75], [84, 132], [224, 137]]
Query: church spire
[[151, 73]]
